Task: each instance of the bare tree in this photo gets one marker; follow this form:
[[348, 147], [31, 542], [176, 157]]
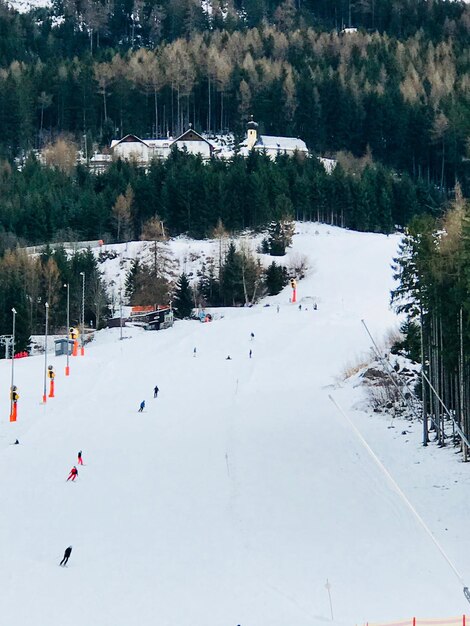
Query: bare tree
[[122, 212], [222, 236], [154, 230], [146, 72], [52, 282], [104, 76], [62, 155], [439, 133], [252, 272]]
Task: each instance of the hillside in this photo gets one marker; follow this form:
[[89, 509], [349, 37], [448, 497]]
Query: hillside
[[394, 90], [240, 490]]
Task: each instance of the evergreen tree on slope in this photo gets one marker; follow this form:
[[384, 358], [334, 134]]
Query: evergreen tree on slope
[[182, 301]]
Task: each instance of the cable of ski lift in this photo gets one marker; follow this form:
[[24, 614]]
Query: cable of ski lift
[[402, 496], [405, 384], [390, 371]]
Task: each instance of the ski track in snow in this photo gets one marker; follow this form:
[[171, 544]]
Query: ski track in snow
[[241, 489]]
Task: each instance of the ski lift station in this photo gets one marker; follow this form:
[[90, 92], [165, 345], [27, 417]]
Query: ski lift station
[[61, 346]]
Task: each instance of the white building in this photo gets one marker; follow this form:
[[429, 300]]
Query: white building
[[131, 148], [142, 151], [273, 146], [194, 143]]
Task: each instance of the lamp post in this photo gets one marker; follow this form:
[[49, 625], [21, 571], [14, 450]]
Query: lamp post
[[44, 395], [120, 313], [12, 362], [82, 351], [67, 368]]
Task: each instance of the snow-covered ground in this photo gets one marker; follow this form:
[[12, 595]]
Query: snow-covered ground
[[23, 6], [241, 489]]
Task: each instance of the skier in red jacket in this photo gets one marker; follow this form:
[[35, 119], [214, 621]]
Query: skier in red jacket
[[73, 474]]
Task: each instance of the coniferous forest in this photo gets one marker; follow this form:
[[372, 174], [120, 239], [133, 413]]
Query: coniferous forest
[[433, 268], [97, 69]]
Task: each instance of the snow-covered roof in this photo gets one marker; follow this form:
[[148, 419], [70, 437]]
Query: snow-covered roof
[[166, 142], [101, 157], [289, 144], [128, 139], [192, 135], [328, 164]]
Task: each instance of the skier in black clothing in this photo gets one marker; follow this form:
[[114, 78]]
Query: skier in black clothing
[[155, 392], [67, 553]]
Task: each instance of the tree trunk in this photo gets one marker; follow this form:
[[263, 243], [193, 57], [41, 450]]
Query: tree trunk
[[156, 113], [209, 104], [104, 105]]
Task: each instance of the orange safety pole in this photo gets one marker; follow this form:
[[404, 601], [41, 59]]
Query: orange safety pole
[[67, 370], [51, 388], [294, 295], [44, 398], [75, 348], [414, 621], [463, 620], [13, 413]]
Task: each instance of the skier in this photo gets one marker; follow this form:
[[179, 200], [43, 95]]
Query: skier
[[16, 443], [67, 553], [251, 352], [252, 336], [194, 352], [142, 406], [278, 308], [229, 358], [300, 307], [155, 392], [80, 461], [73, 474], [314, 307]]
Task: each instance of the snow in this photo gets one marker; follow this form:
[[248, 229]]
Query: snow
[[23, 6], [281, 143], [241, 490]]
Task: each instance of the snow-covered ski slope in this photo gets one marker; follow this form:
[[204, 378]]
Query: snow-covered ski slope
[[239, 491]]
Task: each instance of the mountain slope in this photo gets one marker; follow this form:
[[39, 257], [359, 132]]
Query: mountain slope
[[240, 490]]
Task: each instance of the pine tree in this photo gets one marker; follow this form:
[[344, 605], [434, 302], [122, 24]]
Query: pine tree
[[182, 300], [275, 278], [231, 278], [130, 284], [209, 286], [280, 236]]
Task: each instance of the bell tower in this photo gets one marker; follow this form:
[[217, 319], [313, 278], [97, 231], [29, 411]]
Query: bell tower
[[252, 133]]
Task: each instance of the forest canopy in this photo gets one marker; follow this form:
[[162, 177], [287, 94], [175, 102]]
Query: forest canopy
[[398, 87]]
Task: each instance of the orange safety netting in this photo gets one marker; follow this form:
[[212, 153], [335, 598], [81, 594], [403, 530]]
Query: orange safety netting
[[433, 621]]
